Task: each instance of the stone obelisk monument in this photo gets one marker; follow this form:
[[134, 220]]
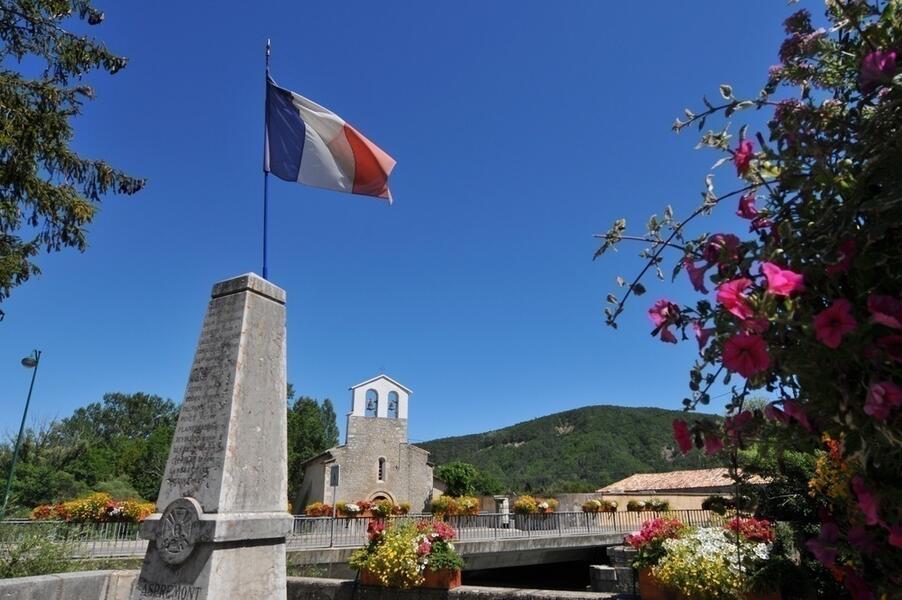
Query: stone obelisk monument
[[221, 521]]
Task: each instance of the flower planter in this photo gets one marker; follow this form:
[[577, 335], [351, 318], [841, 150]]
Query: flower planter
[[443, 579], [651, 589]]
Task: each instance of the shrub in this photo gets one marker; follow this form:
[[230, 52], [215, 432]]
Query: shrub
[[445, 506], [526, 505], [546, 505], [635, 505], [383, 508], [657, 505], [318, 509], [468, 505], [34, 550], [596, 505]]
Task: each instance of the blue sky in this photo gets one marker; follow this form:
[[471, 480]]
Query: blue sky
[[520, 130]]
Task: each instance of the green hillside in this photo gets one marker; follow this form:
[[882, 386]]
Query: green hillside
[[576, 450]]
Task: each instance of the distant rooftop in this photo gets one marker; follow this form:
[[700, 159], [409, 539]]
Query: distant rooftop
[[674, 480]]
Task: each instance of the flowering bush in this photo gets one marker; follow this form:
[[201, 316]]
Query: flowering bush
[[546, 505], [398, 554], [709, 564], [526, 505], [468, 505], [596, 505], [318, 509], [383, 508], [752, 529], [445, 506], [98, 507], [649, 541], [806, 304]]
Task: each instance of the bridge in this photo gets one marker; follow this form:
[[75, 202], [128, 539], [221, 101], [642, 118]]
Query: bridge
[[486, 540]]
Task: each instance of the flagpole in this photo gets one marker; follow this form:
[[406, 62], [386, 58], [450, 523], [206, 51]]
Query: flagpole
[[265, 170]]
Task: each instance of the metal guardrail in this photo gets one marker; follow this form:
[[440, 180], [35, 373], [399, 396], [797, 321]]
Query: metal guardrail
[[119, 540]]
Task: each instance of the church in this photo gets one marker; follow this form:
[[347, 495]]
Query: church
[[376, 462]]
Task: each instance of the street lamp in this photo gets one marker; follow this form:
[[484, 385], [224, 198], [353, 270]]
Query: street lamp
[[29, 362]]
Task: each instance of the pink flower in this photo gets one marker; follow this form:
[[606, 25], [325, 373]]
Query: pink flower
[[696, 275], [876, 68], [772, 413], [822, 547], [681, 435], [663, 314], [424, 548], [730, 295], [755, 325], [843, 259], [742, 156], [795, 411], [760, 223], [892, 345], [882, 398], [885, 310], [859, 537], [736, 425], [782, 282], [832, 323], [858, 587], [747, 208], [867, 501], [701, 334], [746, 354], [722, 248], [713, 443], [895, 536]]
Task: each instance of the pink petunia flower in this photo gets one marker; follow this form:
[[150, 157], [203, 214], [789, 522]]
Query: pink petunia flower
[[867, 501], [882, 398], [746, 354], [822, 547], [892, 345], [843, 259], [782, 282], [885, 310], [895, 536], [682, 436], [877, 67], [832, 323], [663, 314], [730, 295], [722, 248], [713, 444], [747, 209], [696, 275], [701, 334], [735, 425], [742, 156], [795, 411]]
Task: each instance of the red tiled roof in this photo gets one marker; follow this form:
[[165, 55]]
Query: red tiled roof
[[674, 480]]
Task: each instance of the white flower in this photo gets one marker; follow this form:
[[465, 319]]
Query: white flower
[[352, 508], [543, 505]]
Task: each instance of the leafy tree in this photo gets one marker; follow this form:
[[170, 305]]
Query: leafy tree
[[311, 430], [463, 479], [48, 193]]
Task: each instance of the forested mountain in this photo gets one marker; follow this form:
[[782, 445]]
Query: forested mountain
[[576, 450]]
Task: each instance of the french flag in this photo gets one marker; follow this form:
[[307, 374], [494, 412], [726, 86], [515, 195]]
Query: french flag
[[312, 145]]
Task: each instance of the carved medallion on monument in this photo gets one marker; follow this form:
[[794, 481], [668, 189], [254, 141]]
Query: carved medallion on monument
[[179, 530]]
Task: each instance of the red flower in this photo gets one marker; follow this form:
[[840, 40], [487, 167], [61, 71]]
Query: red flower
[[834, 322], [782, 282], [701, 334], [892, 345], [722, 248], [730, 295], [746, 354], [772, 413], [895, 536], [681, 435], [867, 501], [795, 411], [885, 310], [882, 398], [742, 156], [752, 529], [375, 530], [696, 275], [735, 425], [876, 68], [844, 258], [663, 314], [747, 208], [713, 443]]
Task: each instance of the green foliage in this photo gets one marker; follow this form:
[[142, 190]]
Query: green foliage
[[585, 449], [33, 550], [464, 479], [48, 193], [311, 430], [120, 489]]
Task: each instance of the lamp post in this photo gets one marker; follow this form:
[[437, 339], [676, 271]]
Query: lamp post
[[29, 362]]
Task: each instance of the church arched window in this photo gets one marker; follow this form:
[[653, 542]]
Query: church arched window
[[381, 470], [393, 405], [372, 403]]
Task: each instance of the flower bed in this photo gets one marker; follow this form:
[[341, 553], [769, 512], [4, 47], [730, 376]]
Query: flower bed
[[704, 563], [98, 507], [405, 554]]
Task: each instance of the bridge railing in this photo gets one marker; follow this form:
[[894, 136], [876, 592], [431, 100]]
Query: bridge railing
[[96, 540]]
